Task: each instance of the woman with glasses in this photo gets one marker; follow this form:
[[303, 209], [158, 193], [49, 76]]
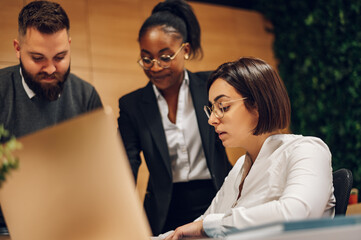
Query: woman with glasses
[[165, 120], [282, 177]]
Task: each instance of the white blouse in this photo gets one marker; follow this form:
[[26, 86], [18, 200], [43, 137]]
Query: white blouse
[[184, 141], [290, 179]]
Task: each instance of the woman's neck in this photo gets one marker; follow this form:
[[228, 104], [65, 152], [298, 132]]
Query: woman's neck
[[173, 91], [171, 97], [257, 143]]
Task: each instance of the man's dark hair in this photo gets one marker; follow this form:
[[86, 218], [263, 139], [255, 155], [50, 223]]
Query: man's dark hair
[[46, 17]]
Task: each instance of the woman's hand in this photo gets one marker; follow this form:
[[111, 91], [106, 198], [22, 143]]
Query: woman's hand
[[193, 229]]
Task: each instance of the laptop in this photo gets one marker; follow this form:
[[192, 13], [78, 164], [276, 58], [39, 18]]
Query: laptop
[[74, 182]]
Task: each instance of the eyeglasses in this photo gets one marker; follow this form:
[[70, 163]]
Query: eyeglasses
[[218, 108], [164, 61]]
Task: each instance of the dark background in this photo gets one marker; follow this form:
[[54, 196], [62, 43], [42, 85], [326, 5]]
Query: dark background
[[245, 4]]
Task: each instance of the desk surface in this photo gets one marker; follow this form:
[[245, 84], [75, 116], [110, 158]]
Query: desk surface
[[335, 233], [332, 233], [350, 232], [342, 232]]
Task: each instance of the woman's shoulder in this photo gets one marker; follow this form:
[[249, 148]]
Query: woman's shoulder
[[302, 143], [296, 139], [202, 75], [136, 95], [306, 140]]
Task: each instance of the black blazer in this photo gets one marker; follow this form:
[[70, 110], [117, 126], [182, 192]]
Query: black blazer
[[141, 128]]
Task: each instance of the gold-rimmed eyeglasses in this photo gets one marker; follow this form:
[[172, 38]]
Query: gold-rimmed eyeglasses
[[218, 108], [163, 61]]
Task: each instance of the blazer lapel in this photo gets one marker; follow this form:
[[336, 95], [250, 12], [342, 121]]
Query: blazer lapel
[[199, 94], [152, 117]]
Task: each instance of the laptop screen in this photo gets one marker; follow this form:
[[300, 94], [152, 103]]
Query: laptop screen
[[74, 182]]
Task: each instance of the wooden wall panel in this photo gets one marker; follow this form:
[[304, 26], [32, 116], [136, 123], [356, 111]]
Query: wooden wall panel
[[113, 84], [113, 26], [8, 30], [105, 49], [79, 33]]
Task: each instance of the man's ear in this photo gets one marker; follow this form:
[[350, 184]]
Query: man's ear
[[69, 40], [16, 44]]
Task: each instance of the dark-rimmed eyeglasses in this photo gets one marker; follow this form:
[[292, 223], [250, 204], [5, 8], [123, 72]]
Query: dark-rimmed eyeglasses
[[218, 108], [163, 61]]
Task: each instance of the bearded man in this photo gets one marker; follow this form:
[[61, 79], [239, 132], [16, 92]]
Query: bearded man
[[41, 91]]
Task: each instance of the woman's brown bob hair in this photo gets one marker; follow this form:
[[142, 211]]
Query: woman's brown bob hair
[[260, 84]]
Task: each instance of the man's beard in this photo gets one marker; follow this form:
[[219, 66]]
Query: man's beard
[[47, 91]]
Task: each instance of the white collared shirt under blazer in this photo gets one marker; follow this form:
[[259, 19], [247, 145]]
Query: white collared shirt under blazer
[[291, 179], [184, 142]]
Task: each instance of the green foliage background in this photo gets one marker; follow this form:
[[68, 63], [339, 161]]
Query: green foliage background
[[8, 145], [318, 48]]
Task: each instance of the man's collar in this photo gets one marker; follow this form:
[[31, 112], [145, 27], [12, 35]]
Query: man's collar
[[28, 91]]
